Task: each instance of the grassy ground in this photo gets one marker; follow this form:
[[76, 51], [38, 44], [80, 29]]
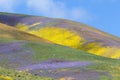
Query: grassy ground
[[47, 51], [7, 74]]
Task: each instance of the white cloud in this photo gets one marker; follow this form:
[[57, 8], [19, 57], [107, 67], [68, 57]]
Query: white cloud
[[47, 7], [7, 5], [52, 8]]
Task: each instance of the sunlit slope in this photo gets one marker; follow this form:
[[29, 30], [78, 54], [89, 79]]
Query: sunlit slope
[[66, 32], [13, 33], [71, 38]]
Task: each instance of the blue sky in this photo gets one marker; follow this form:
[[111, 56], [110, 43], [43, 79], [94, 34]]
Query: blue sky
[[101, 14]]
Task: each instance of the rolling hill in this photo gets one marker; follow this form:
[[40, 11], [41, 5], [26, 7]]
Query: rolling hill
[[67, 33], [28, 50]]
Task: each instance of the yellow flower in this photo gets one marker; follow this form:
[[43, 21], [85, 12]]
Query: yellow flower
[[60, 36], [5, 78], [67, 78]]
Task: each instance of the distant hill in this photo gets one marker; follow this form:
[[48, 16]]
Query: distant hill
[[66, 32]]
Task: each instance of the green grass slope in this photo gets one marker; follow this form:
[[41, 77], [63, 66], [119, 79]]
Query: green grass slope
[[43, 51], [47, 51]]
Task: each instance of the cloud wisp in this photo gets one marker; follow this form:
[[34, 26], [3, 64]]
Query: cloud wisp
[[57, 9], [49, 8]]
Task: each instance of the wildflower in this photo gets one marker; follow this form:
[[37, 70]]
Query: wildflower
[[5, 78]]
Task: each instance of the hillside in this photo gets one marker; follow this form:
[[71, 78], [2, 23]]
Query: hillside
[[25, 57], [13, 33], [66, 32], [27, 54]]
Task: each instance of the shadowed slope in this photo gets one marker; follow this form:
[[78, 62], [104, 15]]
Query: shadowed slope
[[12, 33]]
